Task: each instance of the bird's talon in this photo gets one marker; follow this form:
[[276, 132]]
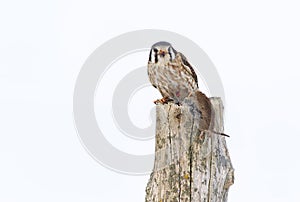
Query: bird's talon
[[164, 100]]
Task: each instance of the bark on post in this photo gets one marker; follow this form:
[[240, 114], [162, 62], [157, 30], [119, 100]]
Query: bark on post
[[190, 165]]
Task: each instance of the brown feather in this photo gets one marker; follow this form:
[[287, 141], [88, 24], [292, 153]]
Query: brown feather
[[186, 63]]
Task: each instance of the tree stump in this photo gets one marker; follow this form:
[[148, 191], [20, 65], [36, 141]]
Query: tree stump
[[190, 165]]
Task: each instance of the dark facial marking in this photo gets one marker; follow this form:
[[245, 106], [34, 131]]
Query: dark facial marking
[[169, 51], [150, 55], [155, 54]]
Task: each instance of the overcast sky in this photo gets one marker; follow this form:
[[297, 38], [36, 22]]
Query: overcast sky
[[254, 46]]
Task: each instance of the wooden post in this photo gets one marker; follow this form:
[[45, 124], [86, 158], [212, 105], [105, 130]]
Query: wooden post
[[190, 165]]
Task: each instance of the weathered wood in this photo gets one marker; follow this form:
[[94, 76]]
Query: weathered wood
[[190, 165]]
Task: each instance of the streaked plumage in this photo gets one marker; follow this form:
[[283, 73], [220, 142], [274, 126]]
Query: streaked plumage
[[174, 77], [170, 72]]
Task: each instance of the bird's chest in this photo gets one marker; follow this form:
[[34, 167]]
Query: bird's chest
[[172, 81], [165, 75]]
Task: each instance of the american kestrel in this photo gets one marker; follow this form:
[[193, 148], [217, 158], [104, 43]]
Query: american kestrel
[[174, 77], [171, 73]]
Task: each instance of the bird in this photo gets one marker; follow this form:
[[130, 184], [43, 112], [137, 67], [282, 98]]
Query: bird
[[170, 72]]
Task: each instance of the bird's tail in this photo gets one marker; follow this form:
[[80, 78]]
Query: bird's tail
[[223, 134]]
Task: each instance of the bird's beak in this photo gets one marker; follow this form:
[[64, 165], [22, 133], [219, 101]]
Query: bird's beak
[[162, 53]]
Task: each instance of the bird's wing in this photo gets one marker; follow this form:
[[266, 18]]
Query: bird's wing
[[151, 74], [188, 67]]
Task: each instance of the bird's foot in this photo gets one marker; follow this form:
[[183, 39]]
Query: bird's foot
[[164, 100]]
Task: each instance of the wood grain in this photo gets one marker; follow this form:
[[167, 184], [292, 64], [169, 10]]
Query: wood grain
[[190, 164]]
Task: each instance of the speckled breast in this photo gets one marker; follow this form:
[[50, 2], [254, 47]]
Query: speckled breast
[[172, 81]]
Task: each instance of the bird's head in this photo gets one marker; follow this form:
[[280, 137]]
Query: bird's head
[[161, 53]]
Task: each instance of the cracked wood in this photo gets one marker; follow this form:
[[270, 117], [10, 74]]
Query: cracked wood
[[190, 164]]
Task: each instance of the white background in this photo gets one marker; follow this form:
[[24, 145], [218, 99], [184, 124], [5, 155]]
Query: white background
[[43, 44]]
